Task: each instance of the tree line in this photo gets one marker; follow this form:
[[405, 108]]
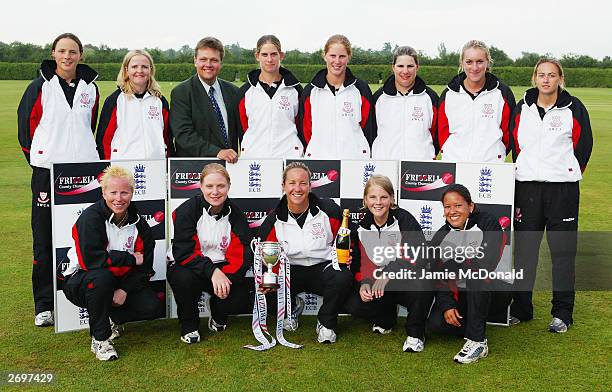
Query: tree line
[[18, 52]]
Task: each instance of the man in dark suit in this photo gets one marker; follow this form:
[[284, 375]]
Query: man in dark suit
[[204, 109]]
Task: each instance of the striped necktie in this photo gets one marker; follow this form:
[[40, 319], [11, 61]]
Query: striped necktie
[[211, 95]]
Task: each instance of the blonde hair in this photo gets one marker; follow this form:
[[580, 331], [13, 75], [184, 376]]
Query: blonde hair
[[383, 182], [116, 172], [296, 165], [339, 39], [551, 61], [123, 80], [268, 39], [475, 44], [214, 168]]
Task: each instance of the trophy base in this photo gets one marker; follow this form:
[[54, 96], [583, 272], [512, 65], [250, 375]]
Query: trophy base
[[273, 286]]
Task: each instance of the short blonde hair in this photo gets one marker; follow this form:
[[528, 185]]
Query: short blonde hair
[[214, 168], [551, 61], [339, 39], [123, 80], [476, 44], [296, 165], [116, 172], [383, 182]]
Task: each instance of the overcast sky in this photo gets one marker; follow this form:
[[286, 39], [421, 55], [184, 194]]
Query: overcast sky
[[557, 27]]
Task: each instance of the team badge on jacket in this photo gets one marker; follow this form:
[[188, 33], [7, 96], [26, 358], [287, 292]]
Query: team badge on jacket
[[43, 199], [555, 123], [317, 230], [348, 108], [284, 102], [153, 113], [487, 110], [85, 100]]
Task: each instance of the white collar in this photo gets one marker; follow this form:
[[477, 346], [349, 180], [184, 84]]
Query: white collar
[[207, 86]]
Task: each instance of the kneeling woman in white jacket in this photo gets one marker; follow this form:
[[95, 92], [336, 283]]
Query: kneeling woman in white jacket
[[210, 252], [309, 226]]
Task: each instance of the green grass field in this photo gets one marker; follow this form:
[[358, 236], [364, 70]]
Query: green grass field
[[524, 357]]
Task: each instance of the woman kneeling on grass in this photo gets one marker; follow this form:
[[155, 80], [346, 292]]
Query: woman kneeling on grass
[[111, 263], [210, 252], [386, 225], [464, 312]]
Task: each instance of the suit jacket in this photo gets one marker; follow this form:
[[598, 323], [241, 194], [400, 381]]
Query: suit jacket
[[193, 120]]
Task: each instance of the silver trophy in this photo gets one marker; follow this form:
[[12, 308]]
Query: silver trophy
[[270, 253]]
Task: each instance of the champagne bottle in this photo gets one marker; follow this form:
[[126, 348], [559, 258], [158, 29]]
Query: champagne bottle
[[343, 239]]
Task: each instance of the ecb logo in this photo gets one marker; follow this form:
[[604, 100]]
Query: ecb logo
[[368, 170], [485, 183], [140, 179], [83, 316], [425, 218], [255, 177]]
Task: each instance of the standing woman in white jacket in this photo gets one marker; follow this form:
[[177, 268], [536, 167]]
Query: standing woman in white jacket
[[269, 106], [56, 119], [551, 144], [335, 108], [134, 118], [405, 113], [474, 111]]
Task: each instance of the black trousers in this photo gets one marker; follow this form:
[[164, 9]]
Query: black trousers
[[94, 290], [322, 279], [473, 306], [554, 207], [42, 264], [383, 311], [187, 287]]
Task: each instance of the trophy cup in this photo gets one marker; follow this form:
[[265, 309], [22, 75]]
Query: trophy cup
[[270, 252]]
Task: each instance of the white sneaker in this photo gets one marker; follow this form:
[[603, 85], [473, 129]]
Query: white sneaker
[[472, 351], [557, 326], [291, 323], [326, 335], [44, 319], [116, 330], [413, 345], [103, 349], [191, 337], [381, 330]]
